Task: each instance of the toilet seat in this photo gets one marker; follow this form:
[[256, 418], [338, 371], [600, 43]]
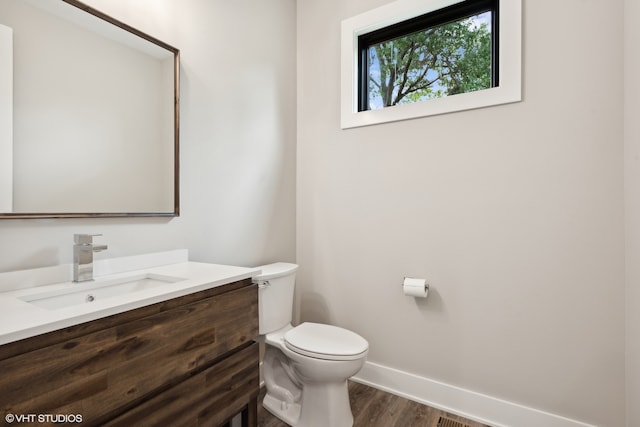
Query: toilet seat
[[325, 342]]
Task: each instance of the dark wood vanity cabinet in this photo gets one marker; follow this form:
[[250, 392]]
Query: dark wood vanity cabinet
[[189, 361]]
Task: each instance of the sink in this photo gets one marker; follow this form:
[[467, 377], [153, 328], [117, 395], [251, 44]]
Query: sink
[[89, 292]]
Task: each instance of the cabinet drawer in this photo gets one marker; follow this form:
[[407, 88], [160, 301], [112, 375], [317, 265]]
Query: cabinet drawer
[[102, 374], [210, 398]]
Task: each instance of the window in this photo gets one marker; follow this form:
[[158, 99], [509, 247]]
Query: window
[[408, 58], [442, 53]]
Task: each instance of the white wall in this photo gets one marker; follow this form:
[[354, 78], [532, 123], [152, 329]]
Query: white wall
[[513, 213], [237, 141], [632, 207]]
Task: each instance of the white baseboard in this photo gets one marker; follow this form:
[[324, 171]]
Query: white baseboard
[[469, 404]]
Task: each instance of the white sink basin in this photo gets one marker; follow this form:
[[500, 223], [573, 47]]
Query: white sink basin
[[89, 292]]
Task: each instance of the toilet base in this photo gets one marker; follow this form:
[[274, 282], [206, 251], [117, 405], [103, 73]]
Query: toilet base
[[287, 412], [326, 404], [322, 405]]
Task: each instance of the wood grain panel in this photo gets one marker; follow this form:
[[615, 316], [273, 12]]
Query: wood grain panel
[[210, 398], [105, 372]]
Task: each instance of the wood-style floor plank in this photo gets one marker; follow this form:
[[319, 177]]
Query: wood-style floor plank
[[376, 408]]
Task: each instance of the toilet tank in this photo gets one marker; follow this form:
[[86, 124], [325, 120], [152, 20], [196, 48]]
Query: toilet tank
[[276, 283]]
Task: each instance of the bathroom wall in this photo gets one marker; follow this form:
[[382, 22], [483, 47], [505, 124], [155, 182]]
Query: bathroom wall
[[632, 207], [237, 141], [513, 213]]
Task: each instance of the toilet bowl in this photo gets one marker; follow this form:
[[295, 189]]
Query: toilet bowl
[[306, 367]]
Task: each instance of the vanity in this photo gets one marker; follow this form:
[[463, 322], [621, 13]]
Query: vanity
[[179, 350]]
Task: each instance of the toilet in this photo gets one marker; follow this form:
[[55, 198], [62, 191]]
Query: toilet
[[305, 367]]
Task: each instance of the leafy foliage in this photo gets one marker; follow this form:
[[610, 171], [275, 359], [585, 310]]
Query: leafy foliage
[[440, 61]]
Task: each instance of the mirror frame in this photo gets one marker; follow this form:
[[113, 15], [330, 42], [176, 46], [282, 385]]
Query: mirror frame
[[176, 131]]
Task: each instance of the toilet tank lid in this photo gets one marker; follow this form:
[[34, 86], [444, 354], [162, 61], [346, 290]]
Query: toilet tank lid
[[277, 269]]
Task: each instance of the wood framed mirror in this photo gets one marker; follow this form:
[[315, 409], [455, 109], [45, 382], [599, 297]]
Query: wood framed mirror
[[94, 115]]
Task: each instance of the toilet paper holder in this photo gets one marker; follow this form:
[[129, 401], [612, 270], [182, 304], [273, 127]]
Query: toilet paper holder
[[415, 287], [406, 277]]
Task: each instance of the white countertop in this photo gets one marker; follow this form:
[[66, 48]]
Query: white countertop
[[20, 319]]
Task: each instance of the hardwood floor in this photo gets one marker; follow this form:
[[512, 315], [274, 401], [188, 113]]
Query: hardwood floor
[[376, 408]]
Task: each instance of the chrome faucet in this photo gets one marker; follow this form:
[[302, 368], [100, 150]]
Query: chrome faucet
[[83, 250]]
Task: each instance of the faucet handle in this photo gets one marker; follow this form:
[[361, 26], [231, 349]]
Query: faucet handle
[[84, 239]]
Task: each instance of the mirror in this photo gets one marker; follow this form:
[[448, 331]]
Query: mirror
[[94, 115]]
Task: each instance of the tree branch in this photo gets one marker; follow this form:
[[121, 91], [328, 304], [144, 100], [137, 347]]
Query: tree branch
[[405, 73]]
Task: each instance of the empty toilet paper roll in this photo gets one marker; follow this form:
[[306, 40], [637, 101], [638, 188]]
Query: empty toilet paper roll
[[414, 287]]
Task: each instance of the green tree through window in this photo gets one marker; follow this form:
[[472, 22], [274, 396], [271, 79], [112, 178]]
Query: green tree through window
[[442, 60]]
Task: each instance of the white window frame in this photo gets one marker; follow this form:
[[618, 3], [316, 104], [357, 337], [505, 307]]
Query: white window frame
[[509, 64]]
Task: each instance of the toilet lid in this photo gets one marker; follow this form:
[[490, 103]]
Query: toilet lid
[[325, 342]]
